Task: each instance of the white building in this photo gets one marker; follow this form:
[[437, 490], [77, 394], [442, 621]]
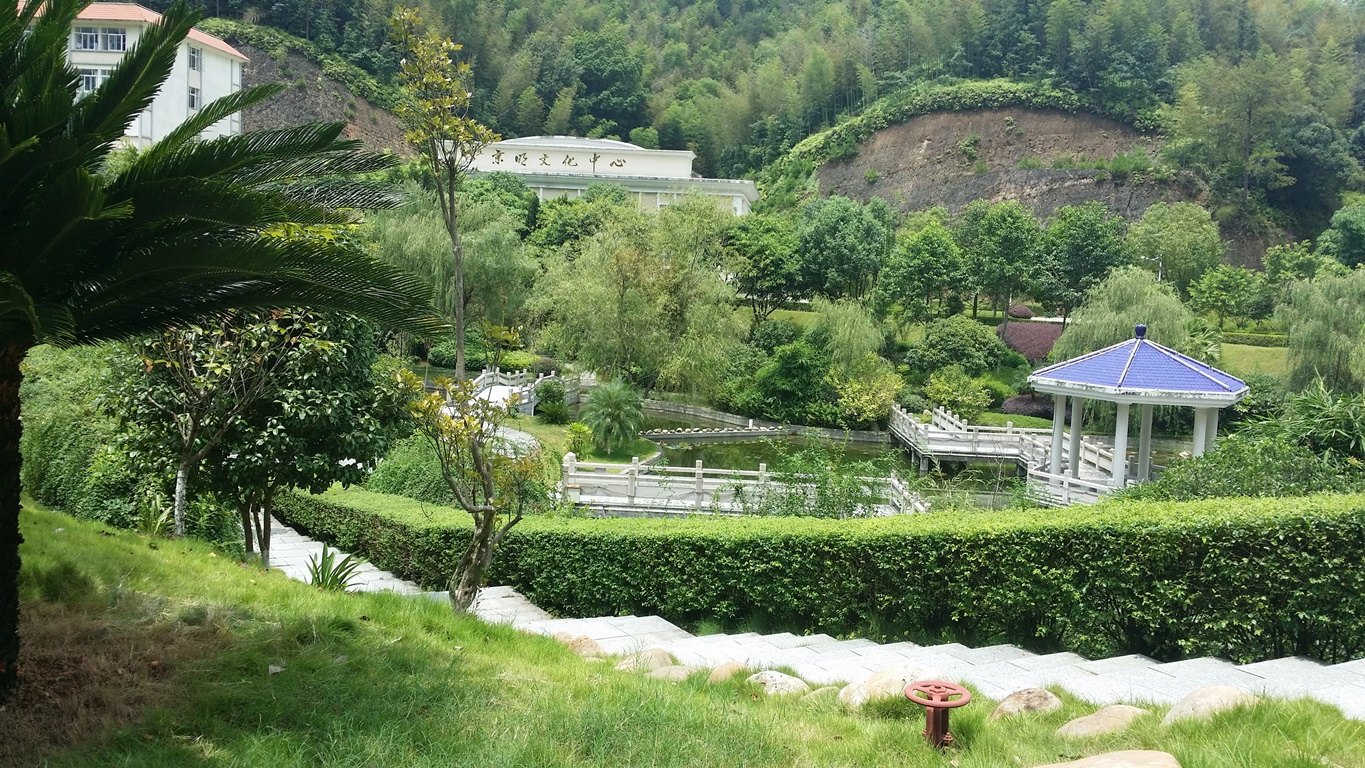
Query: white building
[[206, 68], [559, 166]]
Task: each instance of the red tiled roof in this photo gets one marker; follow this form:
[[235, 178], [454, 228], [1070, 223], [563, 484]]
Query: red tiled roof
[[135, 12]]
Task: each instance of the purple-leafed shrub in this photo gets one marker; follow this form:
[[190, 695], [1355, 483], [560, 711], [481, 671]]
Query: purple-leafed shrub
[[1028, 405], [1032, 340], [1020, 312]]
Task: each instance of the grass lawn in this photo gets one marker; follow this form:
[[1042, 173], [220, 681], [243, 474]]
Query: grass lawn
[[1243, 359], [144, 652], [992, 419], [801, 317], [554, 437]]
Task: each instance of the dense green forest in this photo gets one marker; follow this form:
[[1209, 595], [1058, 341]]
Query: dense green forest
[[1264, 99]]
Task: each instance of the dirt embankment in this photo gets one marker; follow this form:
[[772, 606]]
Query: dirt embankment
[[952, 158], [313, 97]]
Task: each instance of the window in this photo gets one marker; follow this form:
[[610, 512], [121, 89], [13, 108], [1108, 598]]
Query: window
[[196, 56], [196, 100], [115, 39], [87, 39], [91, 79]]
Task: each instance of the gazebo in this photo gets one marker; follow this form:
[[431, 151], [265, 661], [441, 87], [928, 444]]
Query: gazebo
[[1134, 372]]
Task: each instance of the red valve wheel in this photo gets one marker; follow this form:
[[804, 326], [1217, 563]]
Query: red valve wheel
[[937, 694]]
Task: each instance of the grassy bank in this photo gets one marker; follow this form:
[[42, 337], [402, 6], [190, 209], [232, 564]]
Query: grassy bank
[[188, 639]]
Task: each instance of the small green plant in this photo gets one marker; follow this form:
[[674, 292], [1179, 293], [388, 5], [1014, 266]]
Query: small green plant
[[1030, 163], [550, 402], [980, 167], [580, 438], [968, 147], [1012, 126], [871, 176], [330, 574]]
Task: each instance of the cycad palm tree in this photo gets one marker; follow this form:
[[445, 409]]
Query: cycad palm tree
[[189, 229], [613, 411]]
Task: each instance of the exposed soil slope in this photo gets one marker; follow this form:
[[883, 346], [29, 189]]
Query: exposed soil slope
[[313, 96], [952, 158]]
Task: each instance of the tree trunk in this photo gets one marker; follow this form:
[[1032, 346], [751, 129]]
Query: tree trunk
[[11, 354], [267, 509], [245, 511], [182, 481], [468, 576]]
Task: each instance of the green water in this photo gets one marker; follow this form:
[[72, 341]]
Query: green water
[[749, 454]]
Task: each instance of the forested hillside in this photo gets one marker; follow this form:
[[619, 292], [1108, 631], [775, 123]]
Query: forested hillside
[[1262, 99]]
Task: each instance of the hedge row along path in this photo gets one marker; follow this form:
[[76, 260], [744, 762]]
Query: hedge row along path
[[994, 671]]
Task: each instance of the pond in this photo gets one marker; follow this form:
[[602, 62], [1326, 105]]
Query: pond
[[981, 479]]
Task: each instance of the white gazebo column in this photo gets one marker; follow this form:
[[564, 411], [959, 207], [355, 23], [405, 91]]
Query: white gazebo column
[[1201, 431], [1058, 426], [1074, 448], [1121, 446], [1211, 430], [1144, 472]]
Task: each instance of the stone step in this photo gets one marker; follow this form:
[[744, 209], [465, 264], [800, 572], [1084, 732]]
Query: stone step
[[1117, 664], [985, 655]]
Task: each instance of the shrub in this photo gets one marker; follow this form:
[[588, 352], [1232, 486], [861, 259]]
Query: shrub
[[1032, 340], [1256, 339], [997, 390], [1249, 466], [911, 402], [544, 366], [550, 402], [1271, 577], [411, 469], [579, 438], [442, 355], [1020, 312], [1028, 405], [955, 390], [958, 341], [771, 334], [331, 573]]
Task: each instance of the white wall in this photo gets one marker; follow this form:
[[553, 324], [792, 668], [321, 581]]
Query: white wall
[[219, 75]]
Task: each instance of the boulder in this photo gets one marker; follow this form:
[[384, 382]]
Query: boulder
[[778, 684], [1027, 700], [1205, 702], [725, 671], [1135, 758], [586, 647], [646, 661], [675, 673], [1111, 719], [887, 683]]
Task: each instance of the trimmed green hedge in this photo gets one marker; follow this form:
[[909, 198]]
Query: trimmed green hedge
[[1243, 579], [1256, 339]]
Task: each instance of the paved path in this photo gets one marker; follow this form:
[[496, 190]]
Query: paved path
[[291, 552], [995, 671]]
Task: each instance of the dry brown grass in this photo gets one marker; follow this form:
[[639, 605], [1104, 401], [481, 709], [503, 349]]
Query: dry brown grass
[[86, 672]]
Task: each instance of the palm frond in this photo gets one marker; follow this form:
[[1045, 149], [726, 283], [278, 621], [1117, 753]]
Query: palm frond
[[154, 288], [100, 118], [214, 111]]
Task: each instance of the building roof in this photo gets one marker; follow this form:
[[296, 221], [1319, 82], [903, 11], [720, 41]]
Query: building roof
[[135, 12], [1140, 370]]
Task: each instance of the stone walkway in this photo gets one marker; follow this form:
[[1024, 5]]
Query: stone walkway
[[995, 671]]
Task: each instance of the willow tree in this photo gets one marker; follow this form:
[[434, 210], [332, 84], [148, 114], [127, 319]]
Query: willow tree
[[185, 230], [437, 90], [1326, 322]]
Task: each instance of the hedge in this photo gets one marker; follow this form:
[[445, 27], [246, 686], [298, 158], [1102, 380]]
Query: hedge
[[1256, 339], [1243, 579]]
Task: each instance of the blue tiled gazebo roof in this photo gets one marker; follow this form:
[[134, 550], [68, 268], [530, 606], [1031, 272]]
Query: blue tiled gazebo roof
[[1140, 370]]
